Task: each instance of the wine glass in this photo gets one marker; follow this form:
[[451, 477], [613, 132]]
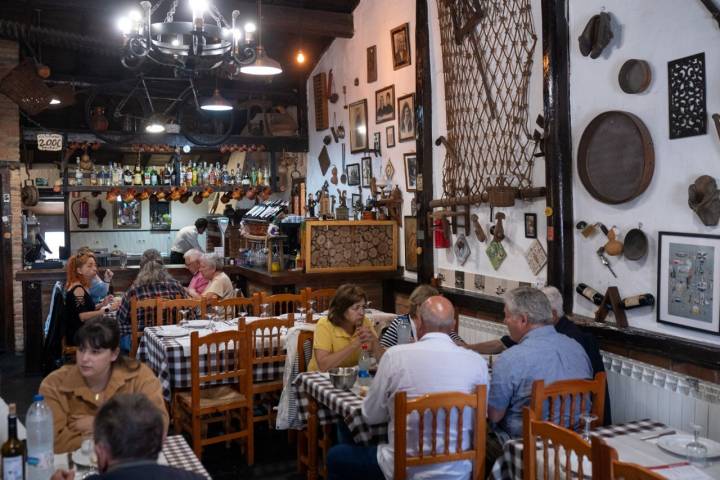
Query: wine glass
[[301, 314], [588, 418], [183, 317], [311, 303], [265, 310], [696, 451]]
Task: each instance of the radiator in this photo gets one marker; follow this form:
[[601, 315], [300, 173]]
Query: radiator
[[637, 390]]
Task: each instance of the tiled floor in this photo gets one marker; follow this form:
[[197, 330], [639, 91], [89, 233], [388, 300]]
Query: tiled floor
[[274, 455]]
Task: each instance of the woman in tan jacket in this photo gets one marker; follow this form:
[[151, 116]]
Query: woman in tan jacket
[[76, 392]]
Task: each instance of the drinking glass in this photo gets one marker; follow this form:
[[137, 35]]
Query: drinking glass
[[311, 303], [696, 451], [265, 310], [183, 317], [404, 332], [588, 418], [301, 314]]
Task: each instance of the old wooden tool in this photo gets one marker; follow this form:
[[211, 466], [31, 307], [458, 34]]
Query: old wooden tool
[[498, 232], [601, 255], [713, 9], [479, 232]]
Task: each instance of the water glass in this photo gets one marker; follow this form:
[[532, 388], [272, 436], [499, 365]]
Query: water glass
[[301, 314], [404, 332], [588, 418], [311, 303], [265, 310], [183, 317], [696, 451]]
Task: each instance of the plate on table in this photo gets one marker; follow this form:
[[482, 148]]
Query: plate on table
[[172, 331], [198, 323], [80, 458], [677, 444]]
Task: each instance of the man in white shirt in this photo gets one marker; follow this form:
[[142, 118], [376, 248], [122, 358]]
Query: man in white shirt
[[432, 364], [186, 239]]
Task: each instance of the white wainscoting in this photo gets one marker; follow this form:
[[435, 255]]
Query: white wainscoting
[[132, 242], [637, 390]]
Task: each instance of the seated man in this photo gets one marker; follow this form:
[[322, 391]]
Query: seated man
[[541, 353], [129, 434], [198, 283], [432, 364]]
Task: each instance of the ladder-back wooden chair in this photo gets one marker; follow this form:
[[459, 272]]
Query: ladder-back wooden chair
[[553, 440], [281, 303], [148, 309], [452, 448], [169, 311], [220, 392], [322, 299], [605, 465], [567, 400], [233, 307]]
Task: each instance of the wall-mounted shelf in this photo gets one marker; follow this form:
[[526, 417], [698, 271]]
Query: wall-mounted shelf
[[156, 188]]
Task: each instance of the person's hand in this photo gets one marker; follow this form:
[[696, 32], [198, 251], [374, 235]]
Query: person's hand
[[105, 301], [365, 335], [82, 424], [108, 275], [61, 474]]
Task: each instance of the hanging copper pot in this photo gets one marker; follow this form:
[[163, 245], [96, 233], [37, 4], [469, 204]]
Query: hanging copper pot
[[144, 195], [250, 194], [112, 195], [129, 195], [206, 193], [100, 213], [185, 197], [160, 195], [225, 198], [238, 193], [198, 198]]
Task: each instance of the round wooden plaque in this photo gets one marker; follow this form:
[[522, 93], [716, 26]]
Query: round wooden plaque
[[635, 76], [616, 158]]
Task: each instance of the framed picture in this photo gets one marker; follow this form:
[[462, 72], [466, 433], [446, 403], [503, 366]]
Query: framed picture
[[406, 117], [411, 172], [530, 225], [356, 199], [688, 287], [376, 143], [127, 214], [385, 104], [400, 39], [390, 136], [367, 173], [358, 126], [353, 174], [410, 233], [372, 64]]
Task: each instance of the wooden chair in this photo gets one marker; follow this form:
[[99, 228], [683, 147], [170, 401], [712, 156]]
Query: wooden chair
[[605, 465], [168, 311], [453, 448], [322, 299], [232, 307], [149, 315], [282, 303], [227, 359], [553, 438], [569, 398]]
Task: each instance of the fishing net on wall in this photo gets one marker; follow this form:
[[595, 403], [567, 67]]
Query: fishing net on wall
[[487, 49]]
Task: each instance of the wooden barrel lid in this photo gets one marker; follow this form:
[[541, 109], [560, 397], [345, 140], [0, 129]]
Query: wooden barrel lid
[[616, 159], [635, 76]]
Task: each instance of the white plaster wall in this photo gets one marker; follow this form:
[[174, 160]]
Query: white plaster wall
[[657, 31]]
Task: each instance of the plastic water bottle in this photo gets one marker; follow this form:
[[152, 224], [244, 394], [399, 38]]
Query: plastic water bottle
[[404, 332], [39, 427], [364, 367]]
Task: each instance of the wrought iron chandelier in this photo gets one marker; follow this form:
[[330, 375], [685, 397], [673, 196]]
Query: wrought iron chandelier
[[188, 47]]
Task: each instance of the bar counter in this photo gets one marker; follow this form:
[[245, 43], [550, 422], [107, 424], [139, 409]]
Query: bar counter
[[37, 286]]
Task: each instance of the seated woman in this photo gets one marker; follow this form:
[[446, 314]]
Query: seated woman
[[79, 306], [99, 287], [152, 281], [338, 336], [75, 392], [220, 286], [389, 337]]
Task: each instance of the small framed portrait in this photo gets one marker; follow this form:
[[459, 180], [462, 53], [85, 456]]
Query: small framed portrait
[[406, 117], [366, 169], [390, 136], [127, 214], [530, 225], [372, 64], [358, 126], [400, 39], [411, 244], [385, 104], [353, 174], [356, 203], [411, 172], [377, 146]]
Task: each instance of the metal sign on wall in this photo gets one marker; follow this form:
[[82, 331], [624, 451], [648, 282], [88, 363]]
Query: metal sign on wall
[[49, 142]]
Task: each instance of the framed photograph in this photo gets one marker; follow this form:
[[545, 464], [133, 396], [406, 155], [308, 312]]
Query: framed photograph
[[411, 172], [530, 225], [385, 104], [410, 233], [688, 286], [353, 174], [372, 64], [400, 40], [127, 214], [376, 143], [356, 198], [366, 169], [390, 136], [406, 117], [358, 126]]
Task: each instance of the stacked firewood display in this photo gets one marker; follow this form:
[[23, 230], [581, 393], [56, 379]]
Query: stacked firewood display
[[342, 246]]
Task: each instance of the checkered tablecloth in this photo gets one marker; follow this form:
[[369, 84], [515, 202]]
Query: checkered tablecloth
[[179, 455], [167, 358], [334, 404], [510, 465]]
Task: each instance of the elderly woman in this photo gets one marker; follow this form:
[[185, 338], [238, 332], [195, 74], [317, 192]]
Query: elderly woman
[[152, 281], [76, 392], [220, 286], [339, 336], [198, 283], [79, 305]]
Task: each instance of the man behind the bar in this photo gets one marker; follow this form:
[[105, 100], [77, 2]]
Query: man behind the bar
[[187, 238]]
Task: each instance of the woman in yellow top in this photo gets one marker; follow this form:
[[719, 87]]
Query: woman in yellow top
[[339, 336]]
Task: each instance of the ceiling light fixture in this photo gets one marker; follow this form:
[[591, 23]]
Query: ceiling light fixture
[[155, 124], [55, 101], [300, 57], [263, 64], [216, 103]]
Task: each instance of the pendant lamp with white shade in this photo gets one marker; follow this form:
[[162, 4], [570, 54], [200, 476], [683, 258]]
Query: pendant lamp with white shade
[[263, 64]]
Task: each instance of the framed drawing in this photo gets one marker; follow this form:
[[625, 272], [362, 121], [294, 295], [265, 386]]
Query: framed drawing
[[358, 126], [353, 174], [390, 136], [400, 40], [411, 172], [366, 170], [410, 233], [372, 64], [385, 104], [377, 146], [127, 214], [688, 287], [406, 117], [530, 225], [356, 203]]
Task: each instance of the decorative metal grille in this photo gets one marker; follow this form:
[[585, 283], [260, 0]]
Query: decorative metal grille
[[487, 49], [688, 112]]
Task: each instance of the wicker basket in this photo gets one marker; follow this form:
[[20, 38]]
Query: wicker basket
[[23, 86], [502, 196], [259, 228]]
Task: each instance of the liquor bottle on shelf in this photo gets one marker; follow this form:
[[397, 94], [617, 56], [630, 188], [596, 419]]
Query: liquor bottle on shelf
[[93, 176], [227, 177], [195, 172], [13, 450], [636, 301], [153, 176], [208, 174], [137, 176], [266, 177], [127, 175], [78, 173], [260, 177], [116, 175], [167, 175]]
